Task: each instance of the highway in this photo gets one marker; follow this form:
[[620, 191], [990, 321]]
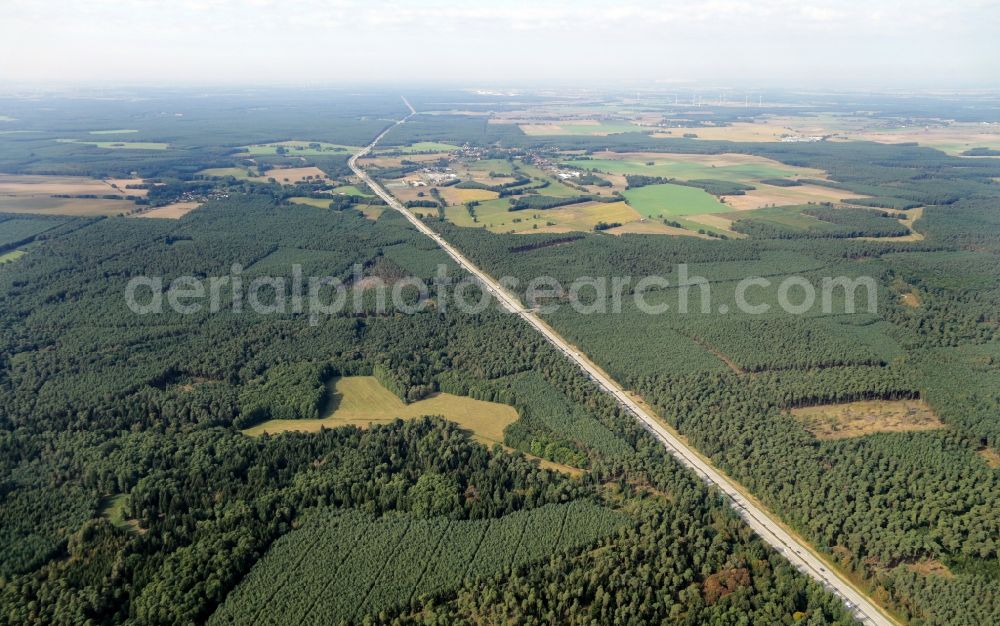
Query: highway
[[763, 522]]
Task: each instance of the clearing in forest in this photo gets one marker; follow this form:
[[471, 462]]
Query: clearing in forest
[[362, 400], [173, 211], [855, 419]]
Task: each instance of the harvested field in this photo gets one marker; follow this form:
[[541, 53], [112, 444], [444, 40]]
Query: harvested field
[[576, 217], [767, 195], [856, 419], [120, 185], [32, 185], [46, 205], [453, 195], [653, 227], [173, 211], [362, 400], [292, 175]]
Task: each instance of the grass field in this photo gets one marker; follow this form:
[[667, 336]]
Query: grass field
[[351, 190], [362, 400], [319, 203], [10, 257], [671, 200], [855, 419], [739, 168], [113, 511]]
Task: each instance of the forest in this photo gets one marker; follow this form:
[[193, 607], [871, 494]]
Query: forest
[[131, 496], [101, 406]]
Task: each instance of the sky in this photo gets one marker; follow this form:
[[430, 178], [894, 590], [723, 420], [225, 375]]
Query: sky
[[841, 43]]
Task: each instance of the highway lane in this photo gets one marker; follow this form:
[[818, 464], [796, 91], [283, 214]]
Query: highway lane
[[764, 523]]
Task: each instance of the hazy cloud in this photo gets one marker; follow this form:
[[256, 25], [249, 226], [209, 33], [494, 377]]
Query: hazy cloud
[[330, 40]]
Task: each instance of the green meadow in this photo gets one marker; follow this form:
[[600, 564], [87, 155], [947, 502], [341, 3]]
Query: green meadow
[[686, 170], [671, 200]]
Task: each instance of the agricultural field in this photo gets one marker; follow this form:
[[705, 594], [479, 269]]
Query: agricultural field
[[420, 147], [740, 168], [350, 566], [242, 173], [292, 175], [296, 148], [856, 419], [38, 194], [771, 195], [121, 145], [596, 128], [669, 200], [362, 401], [319, 203], [172, 211]]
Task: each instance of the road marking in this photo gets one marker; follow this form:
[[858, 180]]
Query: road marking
[[766, 525]]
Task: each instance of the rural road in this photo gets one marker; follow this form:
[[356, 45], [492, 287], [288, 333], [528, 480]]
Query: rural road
[[764, 523]]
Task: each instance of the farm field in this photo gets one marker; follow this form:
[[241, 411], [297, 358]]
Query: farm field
[[454, 195], [173, 211], [420, 146], [495, 217], [581, 127], [34, 194], [299, 148], [41, 185], [767, 195], [669, 200], [856, 419], [47, 205], [362, 400], [121, 145], [319, 203], [653, 227], [241, 173], [292, 175], [739, 168]]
